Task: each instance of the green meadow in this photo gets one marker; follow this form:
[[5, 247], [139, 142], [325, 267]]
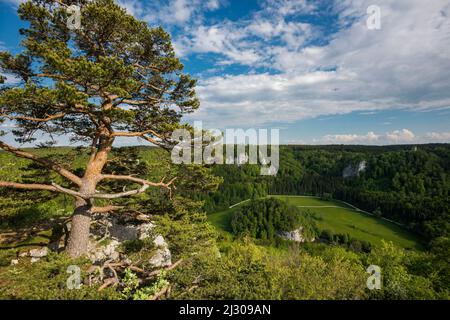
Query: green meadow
[[339, 218]]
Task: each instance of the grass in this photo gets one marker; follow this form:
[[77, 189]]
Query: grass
[[222, 219], [338, 217]]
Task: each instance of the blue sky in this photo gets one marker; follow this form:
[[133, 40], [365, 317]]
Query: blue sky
[[313, 69]]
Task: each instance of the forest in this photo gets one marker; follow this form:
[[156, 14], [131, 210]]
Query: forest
[[406, 186], [263, 219]]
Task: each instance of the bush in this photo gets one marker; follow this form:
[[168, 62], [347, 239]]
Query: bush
[[47, 279], [346, 240], [248, 271]]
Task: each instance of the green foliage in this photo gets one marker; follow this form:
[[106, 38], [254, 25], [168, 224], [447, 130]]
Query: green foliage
[[22, 208], [397, 281], [440, 261], [409, 187], [247, 271], [88, 71], [132, 291], [337, 221], [346, 240], [46, 279], [264, 218], [241, 269], [336, 274]]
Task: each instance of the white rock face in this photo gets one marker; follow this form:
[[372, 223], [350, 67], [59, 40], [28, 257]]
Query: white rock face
[[107, 235], [37, 254], [98, 253], [354, 171], [163, 256], [295, 235], [115, 233], [145, 229], [159, 241]]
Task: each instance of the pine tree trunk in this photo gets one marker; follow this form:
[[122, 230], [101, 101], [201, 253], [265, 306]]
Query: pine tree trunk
[[79, 232], [81, 220]]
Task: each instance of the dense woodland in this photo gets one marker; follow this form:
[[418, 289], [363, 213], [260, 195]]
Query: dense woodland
[[403, 183], [264, 219]]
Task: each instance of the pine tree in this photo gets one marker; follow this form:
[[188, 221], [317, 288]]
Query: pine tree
[[112, 77]]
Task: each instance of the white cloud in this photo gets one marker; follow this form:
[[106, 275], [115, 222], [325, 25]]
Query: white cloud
[[256, 99], [247, 42], [289, 7], [10, 79], [438, 137], [181, 10], [182, 13], [370, 137], [221, 39], [404, 136], [213, 4], [399, 136], [403, 65], [133, 7]]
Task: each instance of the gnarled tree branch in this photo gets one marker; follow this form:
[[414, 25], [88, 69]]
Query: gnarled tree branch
[[49, 118], [116, 195], [136, 133], [99, 195], [28, 186], [47, 163], [167, 185], [106, 209]]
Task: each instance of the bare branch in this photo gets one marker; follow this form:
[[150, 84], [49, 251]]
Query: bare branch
[[147, 67], [49, 118], [136, 134], [151, 140], [139, 102], [100, 195], [106, 209], [116, 195], [47, 163], [159, 294], [146, 274], [167, 185], [28, 186], [67, 191], [109, 282], [145, 184], [171, 267]]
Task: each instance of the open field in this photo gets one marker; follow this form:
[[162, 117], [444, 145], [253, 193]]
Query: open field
[[222, 219], [338, 217]]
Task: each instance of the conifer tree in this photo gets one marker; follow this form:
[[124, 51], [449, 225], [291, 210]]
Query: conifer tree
[[114, 76]]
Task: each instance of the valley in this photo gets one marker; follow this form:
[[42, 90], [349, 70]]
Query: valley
[[339, 218]]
